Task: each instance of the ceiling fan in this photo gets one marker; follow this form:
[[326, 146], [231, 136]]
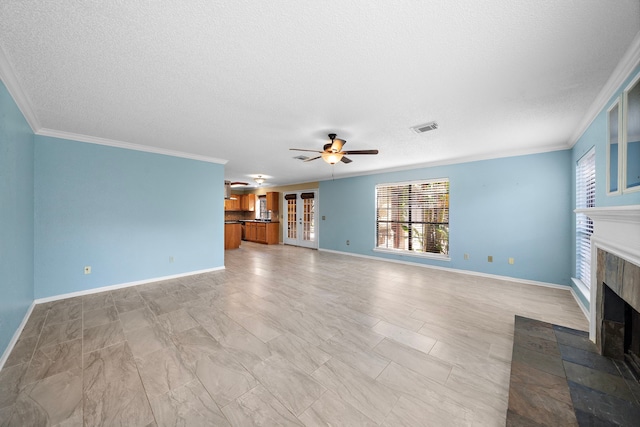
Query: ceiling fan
[[333, 153]]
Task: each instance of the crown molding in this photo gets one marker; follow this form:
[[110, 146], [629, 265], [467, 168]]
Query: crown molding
[[10, 80], [8, 77], [629, 61], [453, 161], [126, 145]]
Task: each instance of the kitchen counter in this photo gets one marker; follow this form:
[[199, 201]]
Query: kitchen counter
[[261, 231], [232, 234]]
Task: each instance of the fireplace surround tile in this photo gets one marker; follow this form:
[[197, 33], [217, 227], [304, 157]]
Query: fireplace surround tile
[[631, 274]]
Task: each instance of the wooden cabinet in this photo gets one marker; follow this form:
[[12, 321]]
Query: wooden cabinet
[[273, 233], [250, 231], [241, 202], [232, 234], [273, 200], [262, 232], [232, 204], [248, 202]]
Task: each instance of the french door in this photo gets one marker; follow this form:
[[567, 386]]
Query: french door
[[302, 219]]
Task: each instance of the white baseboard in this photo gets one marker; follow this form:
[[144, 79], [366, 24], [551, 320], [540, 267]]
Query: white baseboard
[[454, 270], [123, 285], [16, 335], [584, 309]]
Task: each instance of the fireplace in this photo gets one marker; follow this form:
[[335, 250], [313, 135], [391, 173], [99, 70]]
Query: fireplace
[[617, 316], [557, 375], [615, 288]]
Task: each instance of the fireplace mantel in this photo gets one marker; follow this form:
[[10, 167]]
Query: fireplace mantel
[[616, 230]]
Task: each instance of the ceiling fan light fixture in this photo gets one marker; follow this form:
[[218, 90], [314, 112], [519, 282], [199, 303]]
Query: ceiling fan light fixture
[[331, 157]]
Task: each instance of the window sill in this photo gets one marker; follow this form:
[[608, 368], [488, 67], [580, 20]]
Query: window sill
[[584, 290], [438, 257]]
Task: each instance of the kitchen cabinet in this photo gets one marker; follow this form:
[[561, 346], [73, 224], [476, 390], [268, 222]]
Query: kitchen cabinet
[[273, 199], [242, 202], [248, 202], [262, 232], [232, 233], [250, 231], [232, 204]]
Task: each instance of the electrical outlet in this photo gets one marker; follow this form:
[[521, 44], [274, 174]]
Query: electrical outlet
[[324, 217], [466, 256], [348, 243], [87, 269], [511, 261], [170, 259], [490, 258]]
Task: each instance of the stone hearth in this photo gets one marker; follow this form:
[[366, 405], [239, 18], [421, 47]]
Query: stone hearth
[[558, 378]]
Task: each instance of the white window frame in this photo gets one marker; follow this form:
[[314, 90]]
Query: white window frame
[[405, 252], [625, 136], [620, 158], [585, 198]]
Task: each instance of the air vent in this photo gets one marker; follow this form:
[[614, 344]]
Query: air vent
[[425, 127], [301, 157]]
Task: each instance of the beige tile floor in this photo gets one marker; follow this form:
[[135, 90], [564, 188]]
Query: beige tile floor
[[283, 336]]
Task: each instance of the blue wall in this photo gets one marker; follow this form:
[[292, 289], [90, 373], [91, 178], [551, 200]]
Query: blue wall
[[67, 204], [596, 136], [511, 207], [124, 213], [16, 217]]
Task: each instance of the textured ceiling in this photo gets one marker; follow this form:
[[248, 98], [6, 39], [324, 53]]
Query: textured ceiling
[[244, 81]]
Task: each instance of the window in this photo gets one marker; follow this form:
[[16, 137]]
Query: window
[[413, 217], [585, 198], [262, 200]]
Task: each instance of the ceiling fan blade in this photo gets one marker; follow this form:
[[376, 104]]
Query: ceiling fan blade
[[238, 183], [302, 149], [360, 152], [346, 160], [313, 158]]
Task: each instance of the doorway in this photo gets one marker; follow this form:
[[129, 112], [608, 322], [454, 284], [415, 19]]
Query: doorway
[[302, 218]]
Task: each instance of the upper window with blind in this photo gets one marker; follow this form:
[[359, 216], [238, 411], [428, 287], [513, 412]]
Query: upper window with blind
[[413, 218], [585, 198]]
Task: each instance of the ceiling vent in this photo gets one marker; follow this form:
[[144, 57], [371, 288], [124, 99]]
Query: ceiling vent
[[425, 127], [301, 157]]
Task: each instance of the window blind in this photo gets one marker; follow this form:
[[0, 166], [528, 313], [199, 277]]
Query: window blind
[[413, 217], [585, 198]]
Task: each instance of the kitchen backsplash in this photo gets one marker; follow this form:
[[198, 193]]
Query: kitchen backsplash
[[238, 215]]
